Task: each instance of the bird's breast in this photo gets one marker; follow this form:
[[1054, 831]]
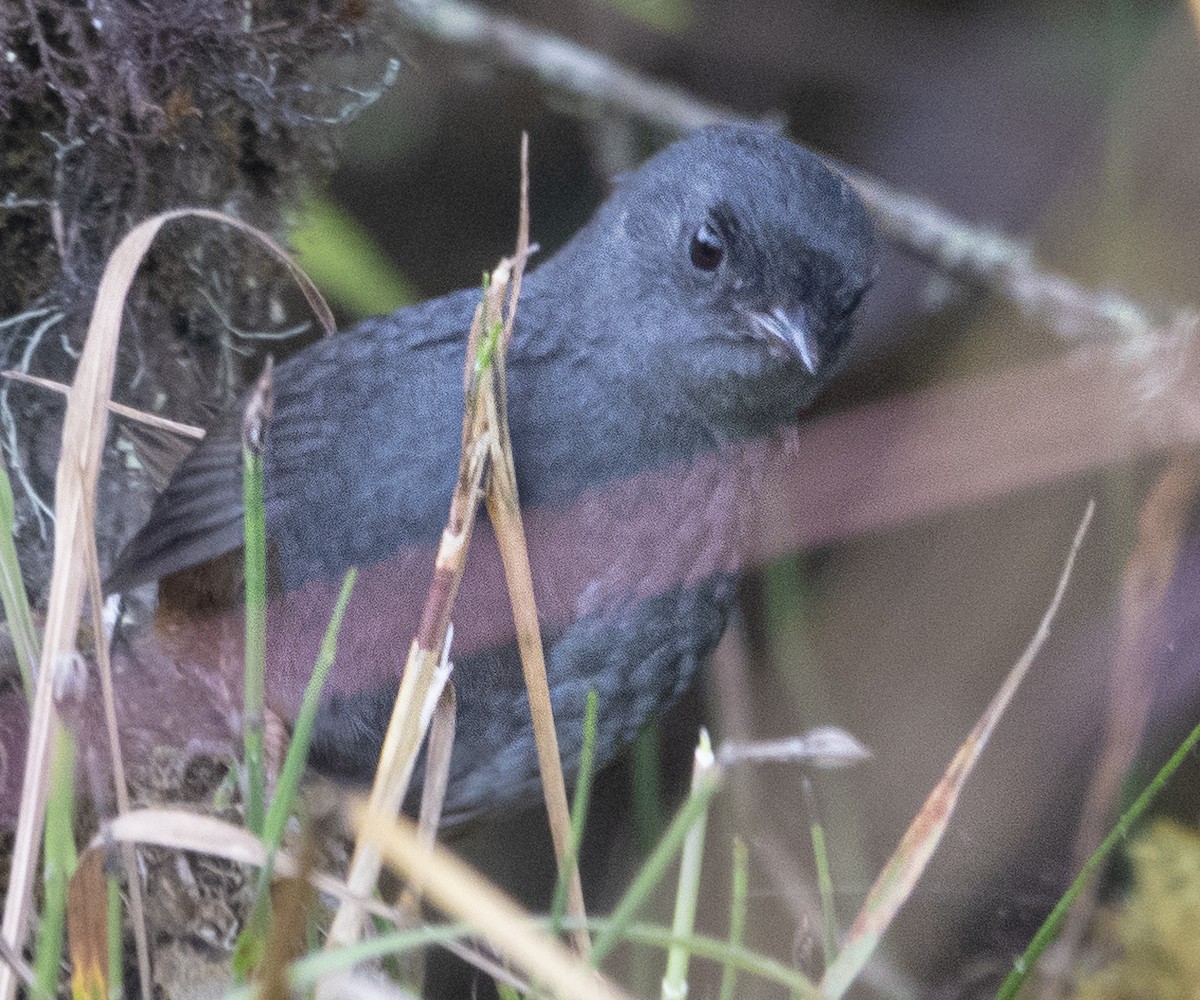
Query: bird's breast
[[617, 546]]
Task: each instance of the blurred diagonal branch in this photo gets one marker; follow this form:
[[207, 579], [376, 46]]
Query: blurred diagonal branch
[[969, 252]]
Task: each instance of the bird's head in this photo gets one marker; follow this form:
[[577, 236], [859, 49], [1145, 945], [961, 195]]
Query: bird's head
[[738, 259]]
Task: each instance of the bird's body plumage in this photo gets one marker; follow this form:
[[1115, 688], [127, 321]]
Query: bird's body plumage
[[635, 375]]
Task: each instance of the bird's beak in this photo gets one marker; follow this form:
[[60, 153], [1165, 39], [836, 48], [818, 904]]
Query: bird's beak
[[791, 333]]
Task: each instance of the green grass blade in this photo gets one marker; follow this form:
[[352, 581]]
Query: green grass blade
[[722, 952], [344, 260], [579, 808], [1049, 929], [248, 951], [306, 971], [297, 752], [13, 594], [738, 894], [653, 871], [255, 535], [674, 985], [59, 865], [829, 937]]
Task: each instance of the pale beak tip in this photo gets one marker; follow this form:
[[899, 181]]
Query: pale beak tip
[[797, 336]]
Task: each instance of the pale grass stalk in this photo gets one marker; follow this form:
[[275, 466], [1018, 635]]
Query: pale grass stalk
[[687, 893], [460, 892], [120, 409], [899, 876], [108, 697], [83, 434]]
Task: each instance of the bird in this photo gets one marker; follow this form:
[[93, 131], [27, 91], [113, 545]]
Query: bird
[[704, 306]]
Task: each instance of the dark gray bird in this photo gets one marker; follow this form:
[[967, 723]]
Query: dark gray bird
[[707, 301]]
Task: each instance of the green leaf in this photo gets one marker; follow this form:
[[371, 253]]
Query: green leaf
[[341, 257]]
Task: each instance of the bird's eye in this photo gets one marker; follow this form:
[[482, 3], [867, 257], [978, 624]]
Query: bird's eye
[[708, 250]]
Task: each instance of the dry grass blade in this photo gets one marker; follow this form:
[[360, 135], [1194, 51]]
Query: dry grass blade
[[292, 903], [504, 510], [17, 963], [429, 818], [83, 434], [420, 689], [895, 883], [409, 721], [87, 926], [456, 889], [437, 770], [78, 470], [180, 830], [482, 431], [128, 853], [120, 409]]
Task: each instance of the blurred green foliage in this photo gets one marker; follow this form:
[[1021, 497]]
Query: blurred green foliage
[[671, 16], [347, 265], [1157, 928]]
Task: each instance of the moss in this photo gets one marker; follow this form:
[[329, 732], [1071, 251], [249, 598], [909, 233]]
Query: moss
[[110, 113], [1157, 930]]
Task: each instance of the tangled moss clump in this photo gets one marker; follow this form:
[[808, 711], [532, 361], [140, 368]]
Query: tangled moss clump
[[113, 111]]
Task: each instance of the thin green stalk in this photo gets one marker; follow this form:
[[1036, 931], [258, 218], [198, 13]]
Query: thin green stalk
[[507, 992], [719, 951], [306, 971], [674, 984], [59, 864], [652, 872], [579, 809], [248, 952], [738, 894], [297, 751], [116, 950], [1050, 927], [829, 939], [13, 594], [255, 536]]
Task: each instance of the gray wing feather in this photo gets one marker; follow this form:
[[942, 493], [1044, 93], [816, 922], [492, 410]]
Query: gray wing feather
[[360, 455], [196, 518]]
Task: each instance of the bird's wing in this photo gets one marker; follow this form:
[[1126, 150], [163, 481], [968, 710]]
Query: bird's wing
[[361, 454], [197, 517]]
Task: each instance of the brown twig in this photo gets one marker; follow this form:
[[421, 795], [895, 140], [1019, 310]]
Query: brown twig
[[971, 252], [120, 409], [559, 63]]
